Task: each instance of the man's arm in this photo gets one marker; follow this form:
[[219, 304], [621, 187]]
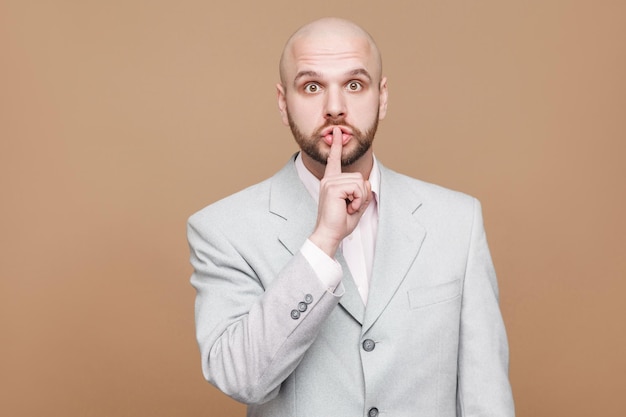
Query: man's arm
[[249, 341], [483, 387]]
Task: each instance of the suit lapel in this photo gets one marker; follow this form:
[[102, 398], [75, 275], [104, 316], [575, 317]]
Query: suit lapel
[[398, 241], [290, 200]]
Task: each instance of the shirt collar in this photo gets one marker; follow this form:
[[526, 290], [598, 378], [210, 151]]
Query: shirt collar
[[312, 184]]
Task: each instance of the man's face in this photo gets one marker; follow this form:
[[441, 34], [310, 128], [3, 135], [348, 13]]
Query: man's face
[[332, 81]]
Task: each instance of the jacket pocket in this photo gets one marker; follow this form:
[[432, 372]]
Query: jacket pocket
[[425, 296]]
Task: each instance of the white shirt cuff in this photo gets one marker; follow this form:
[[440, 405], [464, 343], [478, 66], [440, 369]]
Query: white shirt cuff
[[327, 269]]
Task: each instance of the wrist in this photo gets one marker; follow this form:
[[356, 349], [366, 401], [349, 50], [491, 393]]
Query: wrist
[[326, 243]]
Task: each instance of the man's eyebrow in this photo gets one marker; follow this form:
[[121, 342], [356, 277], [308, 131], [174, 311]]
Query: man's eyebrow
[[361, 71], [301, 74]]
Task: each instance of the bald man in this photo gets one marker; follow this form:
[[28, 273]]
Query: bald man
[[339, 287]]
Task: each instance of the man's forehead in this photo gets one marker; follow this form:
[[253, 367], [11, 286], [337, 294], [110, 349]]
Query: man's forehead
[[326, 40], [330, 54], [330, 43]]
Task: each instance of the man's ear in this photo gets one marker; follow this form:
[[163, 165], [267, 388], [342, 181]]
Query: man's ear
[[382, 98], [282, 103]]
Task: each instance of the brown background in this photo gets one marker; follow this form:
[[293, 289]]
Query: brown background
[[119, 119]]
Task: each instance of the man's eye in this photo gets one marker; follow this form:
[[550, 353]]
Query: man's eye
[[354, 86], [311, 88]]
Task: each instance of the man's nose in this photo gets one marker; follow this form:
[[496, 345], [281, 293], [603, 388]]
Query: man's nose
[[335, 103]]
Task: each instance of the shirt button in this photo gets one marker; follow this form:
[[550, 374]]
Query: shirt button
[[302, 306], [295, 314], [368, 346], [308, 298], [373, 412]]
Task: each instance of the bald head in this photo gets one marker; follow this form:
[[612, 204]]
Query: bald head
[[329, 32]]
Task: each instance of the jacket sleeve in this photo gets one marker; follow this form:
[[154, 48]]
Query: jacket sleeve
[[251, 338], [483, 383]]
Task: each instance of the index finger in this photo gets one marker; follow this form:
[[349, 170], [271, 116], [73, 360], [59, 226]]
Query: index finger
[[333, 163]]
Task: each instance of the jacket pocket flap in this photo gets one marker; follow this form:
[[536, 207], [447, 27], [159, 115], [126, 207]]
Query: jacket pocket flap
[[423, 296]]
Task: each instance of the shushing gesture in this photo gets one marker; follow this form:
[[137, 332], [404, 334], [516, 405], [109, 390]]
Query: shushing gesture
[[342, 201]]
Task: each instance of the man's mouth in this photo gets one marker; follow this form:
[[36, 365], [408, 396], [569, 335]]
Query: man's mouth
[[327, 134]]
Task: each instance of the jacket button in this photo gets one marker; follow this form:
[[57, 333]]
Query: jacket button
[[368, 346], [373, 412], [308, 298], [302, 306], [295, 314]]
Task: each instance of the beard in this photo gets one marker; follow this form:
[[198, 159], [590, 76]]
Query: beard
[[313, 148]]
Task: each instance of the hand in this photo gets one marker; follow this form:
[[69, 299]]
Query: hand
[[344, 197]]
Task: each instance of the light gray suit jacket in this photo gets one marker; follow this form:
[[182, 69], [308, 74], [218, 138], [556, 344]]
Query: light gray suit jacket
[[431, 341]]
